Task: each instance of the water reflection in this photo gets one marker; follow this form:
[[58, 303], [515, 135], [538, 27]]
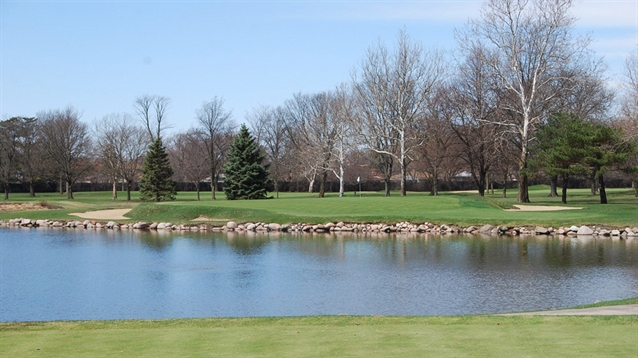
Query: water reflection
[[84, 274]]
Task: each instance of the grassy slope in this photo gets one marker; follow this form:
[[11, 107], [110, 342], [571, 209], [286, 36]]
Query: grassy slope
[[448, 208], [461, 336]]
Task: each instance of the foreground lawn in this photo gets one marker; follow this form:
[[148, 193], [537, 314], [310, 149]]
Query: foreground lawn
[[459, 336], [447, 208]]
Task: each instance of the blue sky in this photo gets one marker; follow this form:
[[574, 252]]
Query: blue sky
[[100, 55]]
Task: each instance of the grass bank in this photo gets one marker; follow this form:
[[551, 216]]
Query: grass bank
[[447, 208], [352, 336]]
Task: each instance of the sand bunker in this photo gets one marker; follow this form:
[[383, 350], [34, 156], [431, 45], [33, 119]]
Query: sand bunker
[[114, 214], [541, 208]]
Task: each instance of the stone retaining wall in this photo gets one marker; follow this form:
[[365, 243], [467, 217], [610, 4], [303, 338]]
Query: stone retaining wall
[[340, 227]]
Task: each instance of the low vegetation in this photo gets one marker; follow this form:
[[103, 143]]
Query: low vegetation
[[447, 208], [351, 336]]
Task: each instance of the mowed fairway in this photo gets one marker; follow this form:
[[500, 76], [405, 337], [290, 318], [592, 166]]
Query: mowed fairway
[[447, 208], [460, 336]]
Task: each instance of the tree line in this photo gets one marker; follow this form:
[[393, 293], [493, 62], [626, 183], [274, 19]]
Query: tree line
[[523, 96]]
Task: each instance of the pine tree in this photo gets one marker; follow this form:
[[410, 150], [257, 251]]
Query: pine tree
[[156, 183], [245, 176]]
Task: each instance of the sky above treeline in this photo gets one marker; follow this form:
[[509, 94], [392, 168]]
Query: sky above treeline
[[98, 56]]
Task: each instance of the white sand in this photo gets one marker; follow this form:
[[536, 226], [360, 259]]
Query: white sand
[[541, 208], [113, 214]]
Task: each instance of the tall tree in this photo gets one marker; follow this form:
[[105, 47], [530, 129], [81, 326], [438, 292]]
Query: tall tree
[[271, 126], [67, 145], [533, 55], [473, 105], [605, 152], [313, 131], [216, 124], [628, 120], [561, 148], [245, 175], [121, 146], [11, 138], [185, 154], [156, 183], [392, 91]]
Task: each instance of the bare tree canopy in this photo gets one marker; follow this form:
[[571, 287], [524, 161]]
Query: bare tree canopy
[[152, 112], [121, 146], [216, 125], [66, 144], [392, 91]]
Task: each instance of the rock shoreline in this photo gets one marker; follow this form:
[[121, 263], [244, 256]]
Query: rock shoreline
[[339, 227]]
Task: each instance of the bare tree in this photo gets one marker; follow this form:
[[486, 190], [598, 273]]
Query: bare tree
[[66, 144], [392, 91], [344, 114], [313, 129], [629, 115], [270, 127], [529, 47], [121, 146], [185, 155], [216, 124], [473, 103], [12, 136], [152, 113], [32, 163]]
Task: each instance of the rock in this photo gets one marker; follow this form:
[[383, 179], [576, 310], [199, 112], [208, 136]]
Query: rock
[[153, 226], [615, 232], [485, 229], [274, 227], [231, 225], [574, 228], [585, 230]]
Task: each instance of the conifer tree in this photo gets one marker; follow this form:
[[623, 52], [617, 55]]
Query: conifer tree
[[156, 183], [245, 176]]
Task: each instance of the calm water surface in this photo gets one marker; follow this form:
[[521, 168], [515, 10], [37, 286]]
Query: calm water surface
[[48, 274]]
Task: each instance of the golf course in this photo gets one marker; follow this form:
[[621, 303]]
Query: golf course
[[338, 335], [460, 208]]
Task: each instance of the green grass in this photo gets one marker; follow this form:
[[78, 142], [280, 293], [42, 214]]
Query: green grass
[[447, 208], [351, 336]]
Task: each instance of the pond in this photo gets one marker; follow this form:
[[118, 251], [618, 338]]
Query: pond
[[49, 274]]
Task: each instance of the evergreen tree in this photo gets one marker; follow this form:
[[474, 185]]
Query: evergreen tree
[[245, 176], [156, 183], [562, 145]]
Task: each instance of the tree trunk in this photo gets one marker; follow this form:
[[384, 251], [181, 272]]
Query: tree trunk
[[322, 183], [69, 190], [213, 184], [505, 175], [601, 187], [523, 193], [635, 185], [311, 185], [128, 190], [403, 179], [197, 189], [554, 184], [594, 183], [31, 190], [435, 183], [61, 182], [114, 189], [564, 191], [386, 183], [6, 192], [342, 183]]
